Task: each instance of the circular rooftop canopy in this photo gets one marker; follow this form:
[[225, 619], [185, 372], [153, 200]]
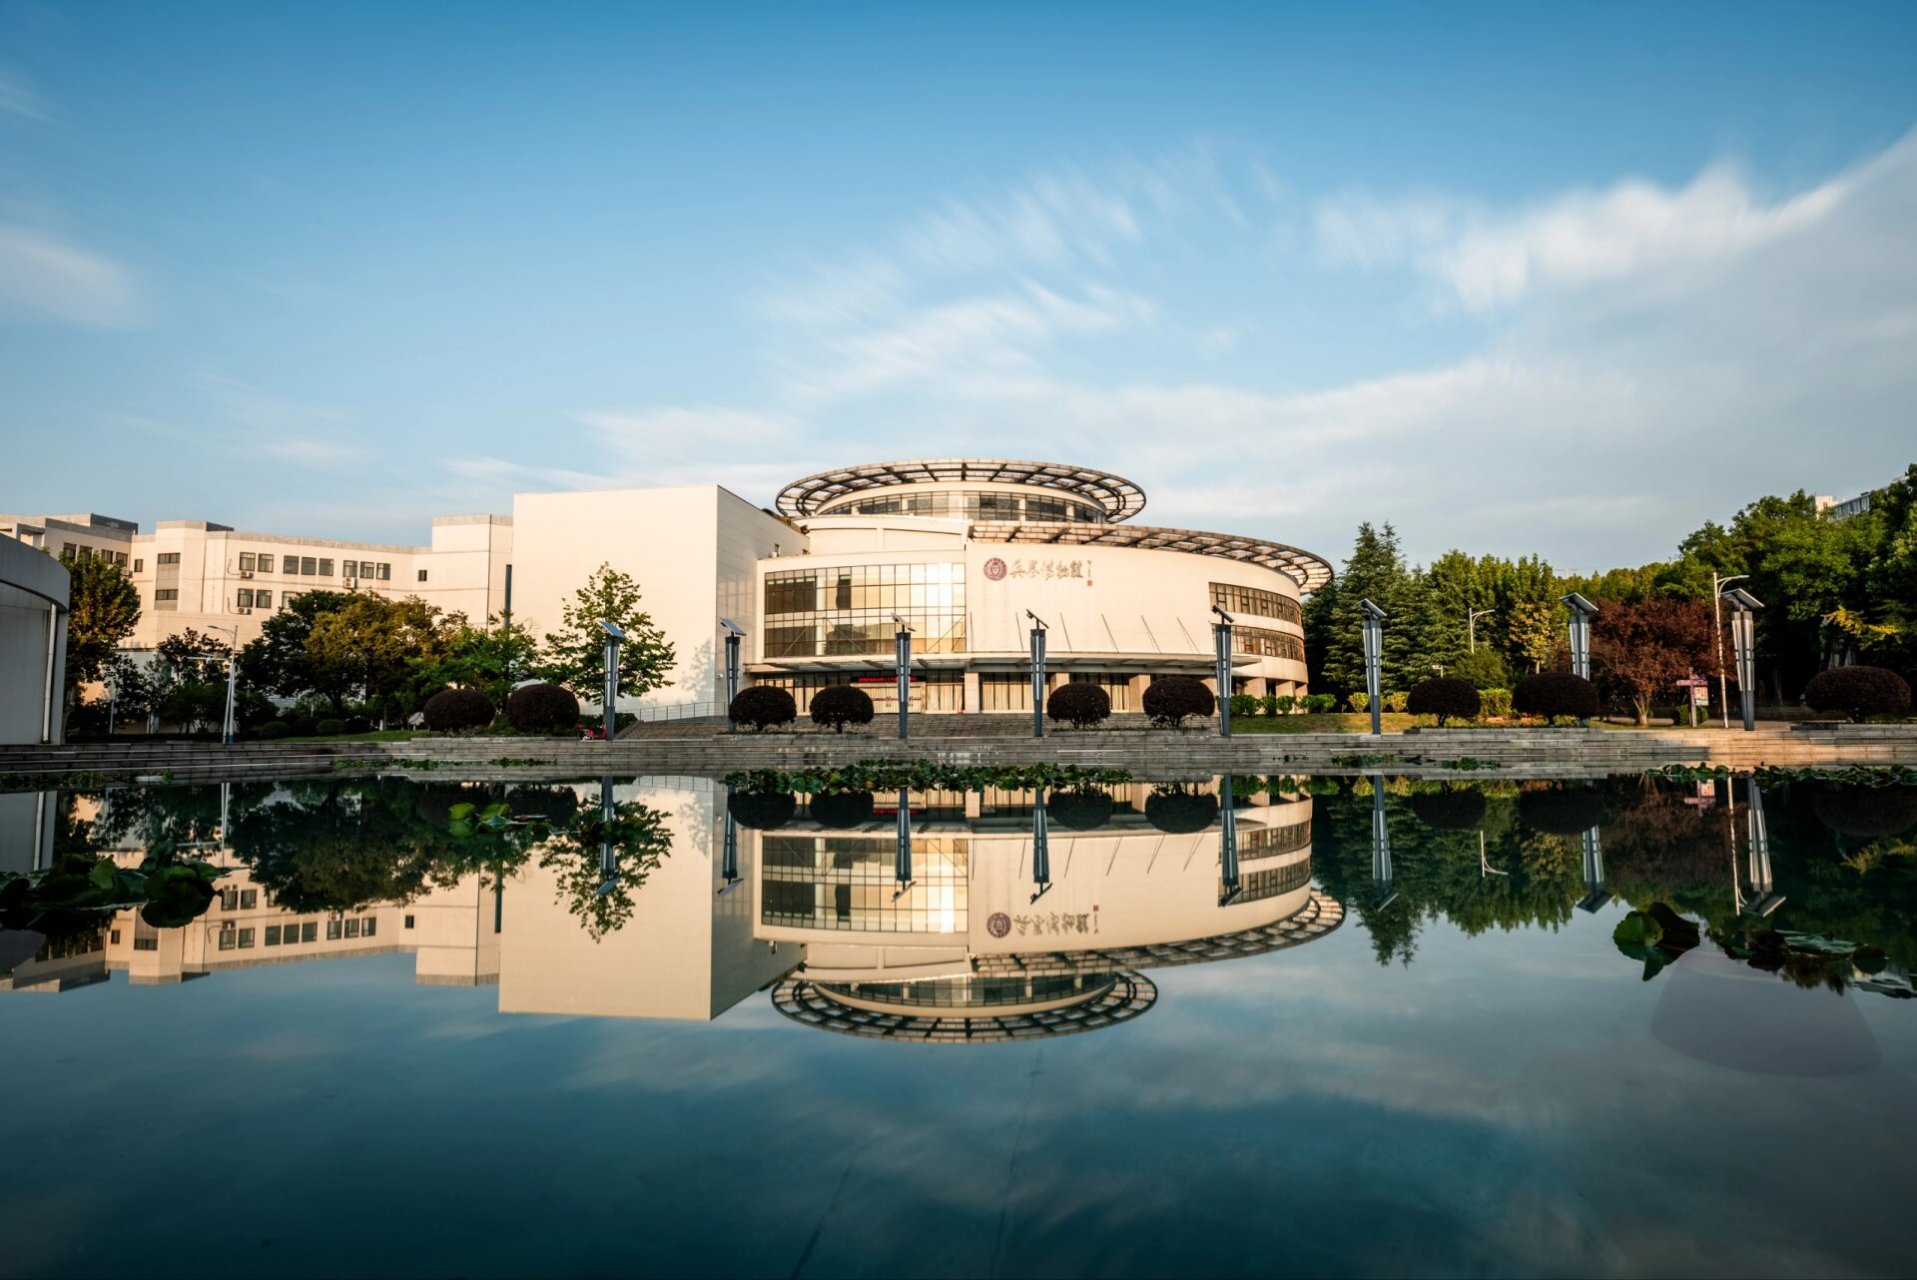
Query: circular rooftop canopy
[[1118, 497], [1309, 571], [1125, 998]]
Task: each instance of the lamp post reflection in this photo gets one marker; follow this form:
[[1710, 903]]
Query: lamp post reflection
[[729, 855], [608, 856], [1596, 896], [1758, 858], [1041, 846], [902, 854], [1228, 843], [1380, 847]]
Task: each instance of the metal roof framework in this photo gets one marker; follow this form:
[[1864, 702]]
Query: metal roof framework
[[1118, 497], [1310, 572]]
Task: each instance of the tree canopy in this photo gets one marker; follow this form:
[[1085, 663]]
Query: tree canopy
[[573, 655]]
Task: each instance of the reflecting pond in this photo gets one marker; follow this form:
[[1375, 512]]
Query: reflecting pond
[[1341, 1025]]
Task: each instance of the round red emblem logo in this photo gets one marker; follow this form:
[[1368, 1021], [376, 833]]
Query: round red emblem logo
[[995, 569], [999, 924]]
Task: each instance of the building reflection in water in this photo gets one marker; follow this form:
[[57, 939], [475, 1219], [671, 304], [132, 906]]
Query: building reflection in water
[[1027, 914], [938, 915]]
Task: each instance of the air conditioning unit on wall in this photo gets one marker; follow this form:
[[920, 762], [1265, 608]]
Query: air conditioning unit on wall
[[243, 609], [246, 573]]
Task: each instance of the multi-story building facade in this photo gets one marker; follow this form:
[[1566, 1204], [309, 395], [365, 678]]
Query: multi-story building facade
[[219, 580]]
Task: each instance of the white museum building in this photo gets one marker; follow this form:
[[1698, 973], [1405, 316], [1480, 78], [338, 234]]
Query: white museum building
[[964, 551]]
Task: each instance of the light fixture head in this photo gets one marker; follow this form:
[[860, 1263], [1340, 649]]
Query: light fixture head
[[612, 629], [732, 627], [1578, 604], [1222, 615], [1372, 611]]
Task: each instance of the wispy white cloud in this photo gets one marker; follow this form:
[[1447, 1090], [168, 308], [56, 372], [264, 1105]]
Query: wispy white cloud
[[1486, 258], [19, 99], [46, 279]]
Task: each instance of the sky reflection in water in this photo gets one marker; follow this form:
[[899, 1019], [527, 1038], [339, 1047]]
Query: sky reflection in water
[[1468, 1077]]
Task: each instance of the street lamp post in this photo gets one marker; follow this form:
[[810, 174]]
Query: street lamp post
[[1374, 659], [1221, 644], [1582, 611], [609, 694], [902, 673], [1471, 624], [733, 636], [1717, 638], [1038, 674], [1744, 607]]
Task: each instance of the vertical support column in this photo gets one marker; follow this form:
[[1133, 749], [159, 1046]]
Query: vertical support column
[[1744, 607], [1582, 611], [53, 691], [902, 675], [1221, 657], [1038, 674], [729, 855], [1374, 661], [1591, 852], [608, 855]]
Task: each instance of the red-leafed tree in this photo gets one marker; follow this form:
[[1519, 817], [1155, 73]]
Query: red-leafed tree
[[1642, 648]]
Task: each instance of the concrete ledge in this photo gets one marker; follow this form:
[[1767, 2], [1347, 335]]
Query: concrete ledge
[[1512, 752]]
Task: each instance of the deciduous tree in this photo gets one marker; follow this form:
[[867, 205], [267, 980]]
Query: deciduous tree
[[574, 655]]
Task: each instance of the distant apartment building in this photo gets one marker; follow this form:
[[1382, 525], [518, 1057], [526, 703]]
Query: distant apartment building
[[217, 579]]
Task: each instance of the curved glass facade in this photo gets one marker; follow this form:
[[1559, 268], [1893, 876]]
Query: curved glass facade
[[849, 609], [972, 504], [1264, 604]]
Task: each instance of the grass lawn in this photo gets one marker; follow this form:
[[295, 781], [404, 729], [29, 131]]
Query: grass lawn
[[1321, 722], [379, 735]]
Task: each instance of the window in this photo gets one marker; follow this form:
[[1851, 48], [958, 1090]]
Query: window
[[332, 930], [167, 557], [290, 564], [246, 562], [229, 938], [371, 927], [385, 571], [243, 597], [352, 928], [1267, 644], [349, 569], [309, 931], [68, 551], [139, 566], [326, 569], [263, 599], [409, 922], [1264, 604], [229, 899], [114, 937], [309, 566], [422, 575], [167, 595], [249, 899], [146, 944], [272, 935], [246, 939]]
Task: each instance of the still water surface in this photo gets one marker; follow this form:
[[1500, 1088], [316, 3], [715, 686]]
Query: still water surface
[[1335, 1026]]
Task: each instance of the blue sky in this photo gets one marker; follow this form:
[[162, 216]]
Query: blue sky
[[1514, 277]]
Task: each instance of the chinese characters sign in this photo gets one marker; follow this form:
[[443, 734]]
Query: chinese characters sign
[[1048, 569]]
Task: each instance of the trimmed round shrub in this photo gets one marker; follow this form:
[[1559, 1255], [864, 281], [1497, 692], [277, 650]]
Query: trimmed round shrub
[[762, 810], [762, 706], [1444, 697], [1858, 692], [1449, 810], [1180, 813], [1866, 812], [1561, 811], [838, 705], [1243, 706], [1555, 693], [1083, 810], [1169, 700], [275, 729], [451, 710], [839, 810], [330, 728], [542, 708], [1080, 704]]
